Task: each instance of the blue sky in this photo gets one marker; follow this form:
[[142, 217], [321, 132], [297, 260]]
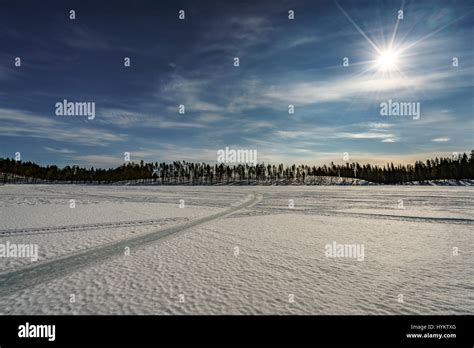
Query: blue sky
[[190, 62]]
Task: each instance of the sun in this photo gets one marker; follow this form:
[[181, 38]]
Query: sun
[[387, 60]]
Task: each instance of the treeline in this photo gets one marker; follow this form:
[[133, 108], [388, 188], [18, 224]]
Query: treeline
[[182, 172]]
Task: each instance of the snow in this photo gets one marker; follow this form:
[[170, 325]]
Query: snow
[[281, 250]]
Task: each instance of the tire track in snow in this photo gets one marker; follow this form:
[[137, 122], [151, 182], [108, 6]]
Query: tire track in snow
[[85, 227], [46, 271], [403, 218]]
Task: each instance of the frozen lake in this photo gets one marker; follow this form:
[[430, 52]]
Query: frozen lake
[[237, 250]]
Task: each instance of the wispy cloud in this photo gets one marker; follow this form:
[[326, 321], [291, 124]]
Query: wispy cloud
[[344, 89], [440, 140], [130, 119], [20, 123], [83, 38], [61, 151], [366, 135]]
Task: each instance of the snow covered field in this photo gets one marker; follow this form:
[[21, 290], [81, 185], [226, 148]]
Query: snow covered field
[[237, 250]]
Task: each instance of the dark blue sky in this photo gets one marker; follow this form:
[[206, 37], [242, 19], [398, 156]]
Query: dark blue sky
[[190, 62]]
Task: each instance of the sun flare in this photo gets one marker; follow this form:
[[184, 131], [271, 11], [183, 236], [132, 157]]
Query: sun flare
[[387, 60]]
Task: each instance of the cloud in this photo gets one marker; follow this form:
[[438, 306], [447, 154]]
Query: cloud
[[100, 160], [207, 118], [344, 89], [20, 123], [63, 151], [366, 135], [293, 134], [302, 41], [440, 140], [378, 125], [80, 37], [188, 91], [130, 119], [236, 34]]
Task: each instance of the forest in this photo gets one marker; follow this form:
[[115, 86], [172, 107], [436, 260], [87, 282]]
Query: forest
[[182, 172]]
